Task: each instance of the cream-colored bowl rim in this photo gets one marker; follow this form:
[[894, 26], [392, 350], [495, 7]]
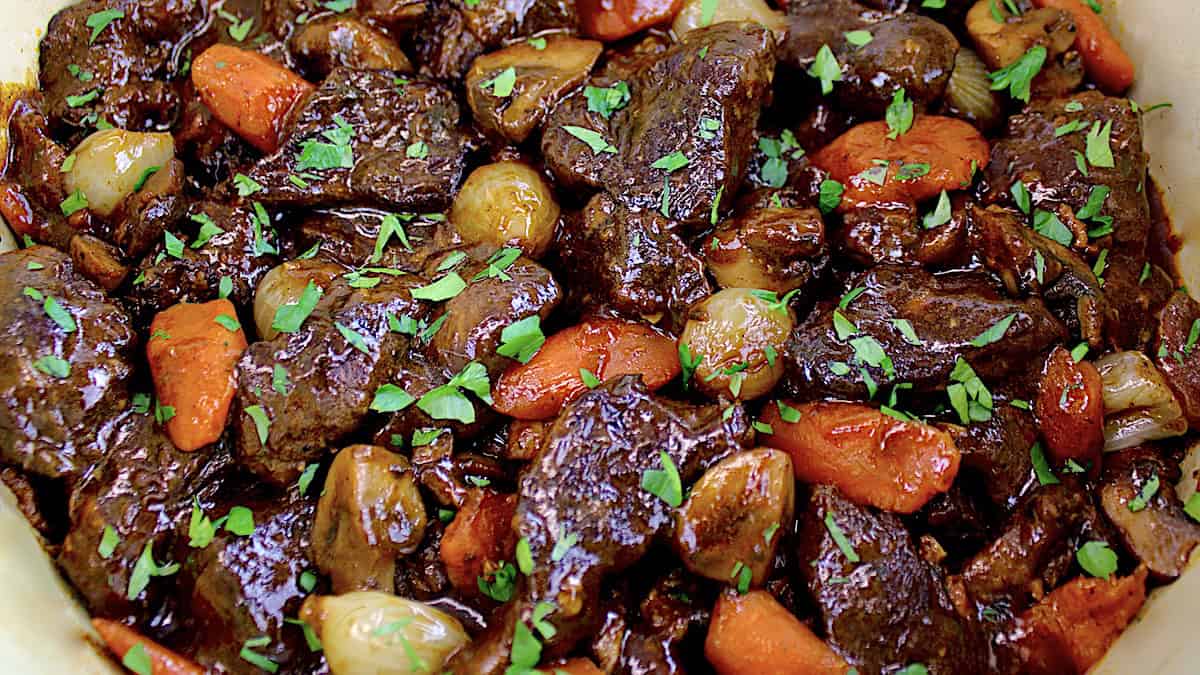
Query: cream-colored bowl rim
[[44, 632]]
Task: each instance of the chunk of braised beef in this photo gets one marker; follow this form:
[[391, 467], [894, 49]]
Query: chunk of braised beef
[[143, 492], [1049, 166], [350, 236], [369, 136], [1137, 494], [634, 263], [1176, 354], [947, 312], [244, 587], [584, 487], [34, 188], [664, 637], [814, 23], [53, 318], [452, 34], [877, 233], [131, 60], [1031, 264], [998, 450], [1035, 551], [887, 608], [422, 575], [910, 52], [144, 215], [244, 251], [342, 40], [476, 317], [335, 361], [670, 100]]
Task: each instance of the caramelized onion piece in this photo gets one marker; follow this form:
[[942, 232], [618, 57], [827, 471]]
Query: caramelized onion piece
[[1138, 405]]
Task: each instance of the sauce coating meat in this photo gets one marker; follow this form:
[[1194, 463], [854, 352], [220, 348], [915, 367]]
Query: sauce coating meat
[[650, 336]]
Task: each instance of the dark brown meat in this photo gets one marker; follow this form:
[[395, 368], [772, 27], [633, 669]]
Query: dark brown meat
[[144, 215], [946, 311], [813, 23], [998, 449], [889, 610], [1048, 166], [1035, 552], [244, 251], [143, 491], [30, 202], [477, 316], [585, 484], [909, 52], [332, 381], [349, 236], [341, 40], [634, 263], [669, 99], [49, 425], [1159, 534], [130, 61], [243, 587], [1177, 356], [1068, 285], [407, 149], [452, 34]]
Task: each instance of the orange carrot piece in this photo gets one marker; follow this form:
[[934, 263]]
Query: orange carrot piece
[[193, 355], [753, 634], [1072, 628], [248, 92], [1070, 410], [948, 148], [874, 458], [121, 638], [1103, 58], [480, 537], [615, 19], [605, 347]]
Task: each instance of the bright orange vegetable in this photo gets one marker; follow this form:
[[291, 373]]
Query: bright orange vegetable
[[1070, 410], [605, 347], [615, 19], [1103, 58], [753, 634], [874, 458], [948, 148], [248, 92], [193, 355], [1073, 627], [121, 638], [479, 539]]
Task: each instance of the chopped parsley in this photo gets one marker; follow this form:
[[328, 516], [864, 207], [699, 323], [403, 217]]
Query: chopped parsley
[[994, 333], [262, 423], [53, 366], [899, 114], [594, 139], [522, 339], [688, 362], [98, 21], [1142, 500], [825, 67], [1041, 467], [940, 215], [443, 289], [1018, 75], [500, 585], [76, 201], [607, 100], [289, 317], [144, 569], [334, 154], [108, 542], [664, 483], [840, 539], [859, 38], [1099, 148], [246, 185], [1097, 559], [391, 398], [502, 84], [1048, 225], [447, 402], [671, 163]]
